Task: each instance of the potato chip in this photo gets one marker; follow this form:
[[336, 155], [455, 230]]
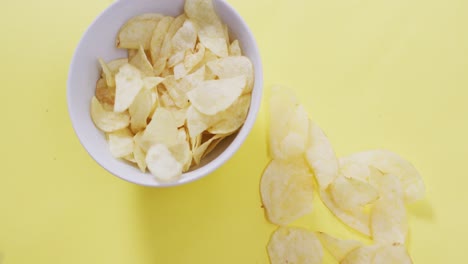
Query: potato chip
[[197, 122], [120, 143], [114, 65], [294, 245], [180, 71], [107, 121], [193, 59], [181, 150], [108, 75], [140, 110], [230, 67], [338, 248], [128, 84], [361, 255], [105, 95], [179, 114], [161, 130], [352, 194], [389, 222], [356, 219], [141, 62], [321, 157], [130, 157], [185, 38], [140, 157], [176, 58], [210, 28], [294, 143], [391, 163], [137, 31], [151, 82], [232, 118], [235, 49], [178, 90], [392, 254], [215, 143], [131, 53], [158, 36], [200, 151], [287, 190], [211, 97], [162, 164]]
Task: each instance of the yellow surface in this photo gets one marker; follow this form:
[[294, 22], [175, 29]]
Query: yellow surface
[[374, 74]]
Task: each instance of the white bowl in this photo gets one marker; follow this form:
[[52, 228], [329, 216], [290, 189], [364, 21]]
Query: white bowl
[[98, 41]]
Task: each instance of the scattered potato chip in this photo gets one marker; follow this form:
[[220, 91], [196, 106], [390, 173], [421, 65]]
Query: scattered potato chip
[[140, 110], [158, 36], [128, 84], [287, 191], [321, 156], [212, 97], [230, 67], [107, 121], [138, 31], [105, 95], [108, 75], [391, 163], [361, 255], [294, 245], [162, 163], [356, 219], [389, 222], [141, 62], [161, 130], [197, 122], [193, 59], [185, 38], [232, 118], [339, 248], [392, 254], [120, 143], [234, 49], [352, 194]]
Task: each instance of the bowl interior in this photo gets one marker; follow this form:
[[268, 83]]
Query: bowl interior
[[98, 42]]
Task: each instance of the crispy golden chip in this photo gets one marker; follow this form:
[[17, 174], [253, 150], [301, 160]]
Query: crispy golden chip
[[351, 194], [185, 38], [141, 62], [287, 190], [211, 97], [361, 255], [294, 245], [232, 118], [389, 222], [105, 95], [235, 49], [210, 28], [193, 59], [158, 36], [108, 75], [179, 114], [338, 248], [140, 110], [138, 31], [321, 157], [389, 162], [120, 143], [197, 122], [162, 164], [107, 121], [230, 67], [178, 89], [356, 219], [128, 84], [392, 254], [161, 130]]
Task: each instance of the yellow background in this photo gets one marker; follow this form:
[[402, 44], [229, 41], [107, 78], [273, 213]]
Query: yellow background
[[373, 73]]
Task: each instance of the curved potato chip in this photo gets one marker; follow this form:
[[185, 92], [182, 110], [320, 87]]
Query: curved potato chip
[[105, 95], [114, 65], [151, 82], [392, 254], [108, 75], [137, 31], [180, 71], [120, 143], [361, 255], [162, 164], [287, 190], [229, 67], [158, 36], [107, 121], [294, 245], [140, 110], [391, 163], [200, 151], [140, 156], [181, 150], [211, 97], [178, 89], [321, 157], [356, 219], [232, 118], [193, 59], [141, 62], [338, 248], [175, 59], [210, 28], [128, 84], [161, 130], [179, 114], [197, 122], [235, 49], [389, 222], [185, 38], [351, 194]]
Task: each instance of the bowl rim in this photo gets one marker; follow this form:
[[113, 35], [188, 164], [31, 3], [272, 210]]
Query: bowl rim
[[225, 155]]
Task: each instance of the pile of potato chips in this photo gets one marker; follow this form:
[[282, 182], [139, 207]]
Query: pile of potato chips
[[183, 88], [367, 191]]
